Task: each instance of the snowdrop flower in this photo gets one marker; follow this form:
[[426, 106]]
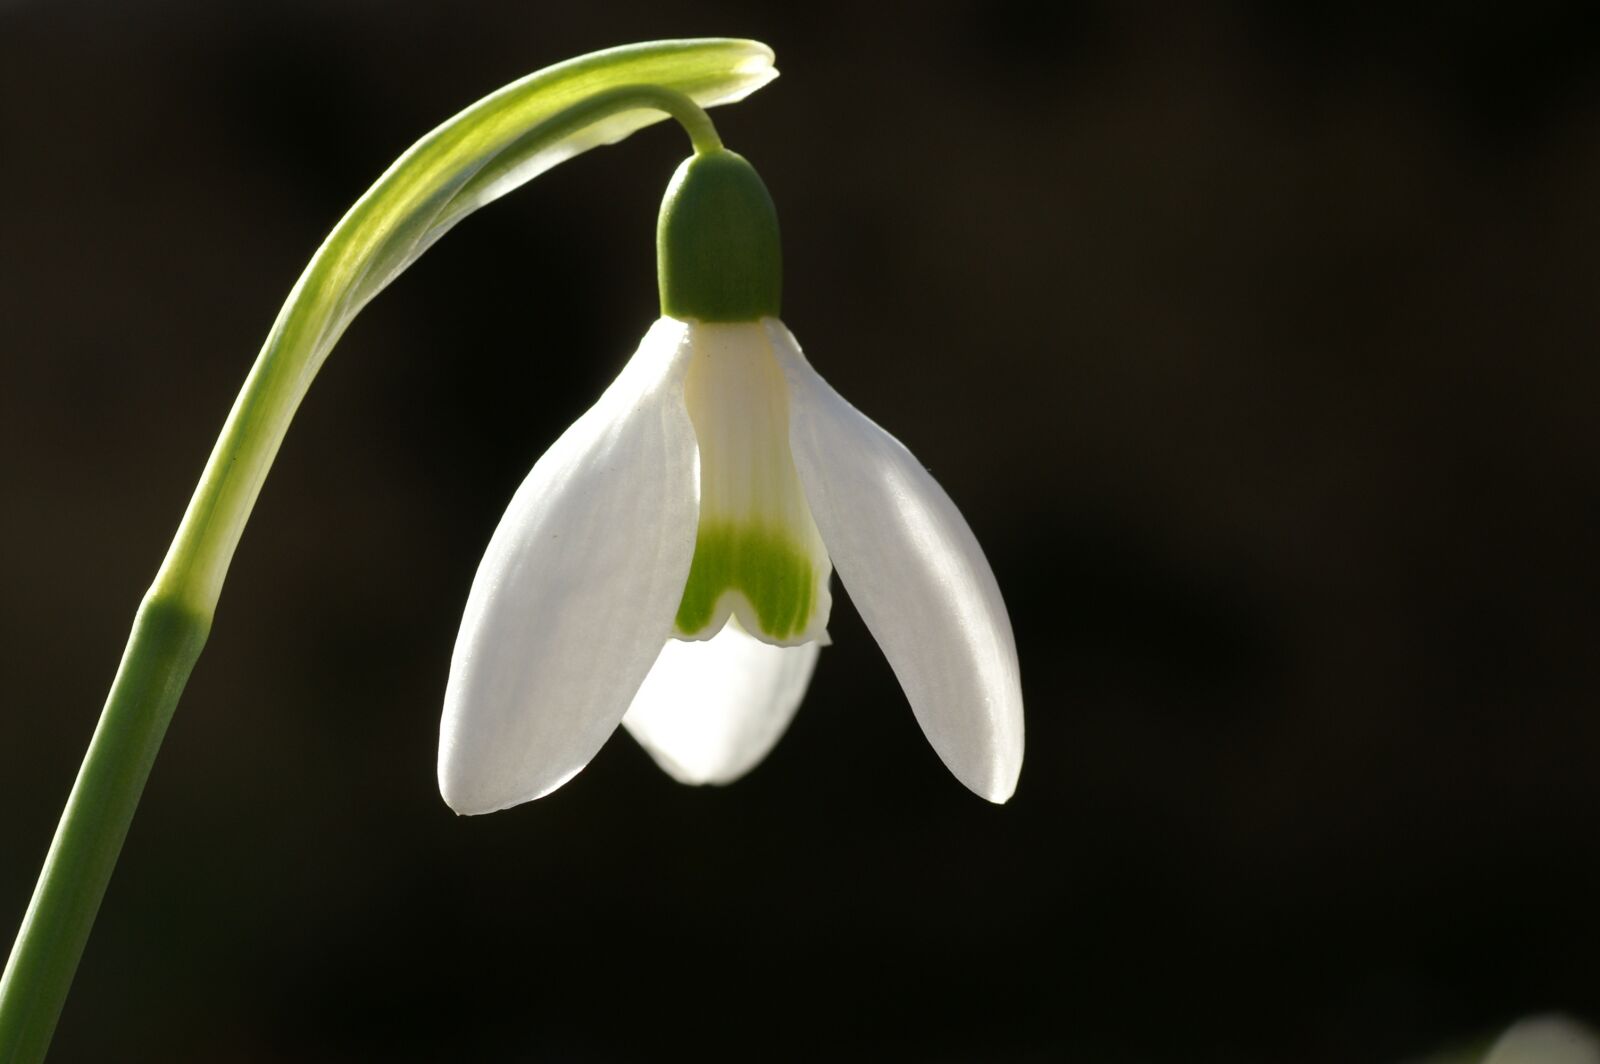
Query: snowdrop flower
[[666, 563]]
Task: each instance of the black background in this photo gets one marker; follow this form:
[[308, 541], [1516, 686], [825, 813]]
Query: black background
[[1257, 343]]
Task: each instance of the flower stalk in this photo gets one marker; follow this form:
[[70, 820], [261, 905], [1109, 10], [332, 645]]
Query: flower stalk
[[485, 151]]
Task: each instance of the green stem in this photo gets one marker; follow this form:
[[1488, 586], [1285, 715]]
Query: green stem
[[166, 641], [482, 153]]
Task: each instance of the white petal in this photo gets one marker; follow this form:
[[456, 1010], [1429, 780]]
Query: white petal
[[577, 591], [1552, 1039], [710, 710], [917, 576]]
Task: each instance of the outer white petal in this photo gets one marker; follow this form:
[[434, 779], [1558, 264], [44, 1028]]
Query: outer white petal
[[915, 573], [710, 710], [577, 590]]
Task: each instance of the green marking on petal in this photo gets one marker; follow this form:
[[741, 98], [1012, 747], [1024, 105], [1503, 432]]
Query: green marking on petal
[[774, 573]]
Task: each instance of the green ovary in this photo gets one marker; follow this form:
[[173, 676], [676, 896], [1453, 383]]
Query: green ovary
[[767, 567]]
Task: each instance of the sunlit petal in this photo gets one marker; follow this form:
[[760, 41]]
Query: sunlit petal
[[576, 593], [710, 710], [916, 575]]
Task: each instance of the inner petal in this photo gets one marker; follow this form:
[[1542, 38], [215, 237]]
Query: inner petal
[[758, 555]]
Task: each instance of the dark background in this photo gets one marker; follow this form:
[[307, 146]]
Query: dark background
[[1258, 347]]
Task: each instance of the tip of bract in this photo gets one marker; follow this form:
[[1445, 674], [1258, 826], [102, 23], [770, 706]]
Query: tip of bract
[[751, 68], [759, 63]]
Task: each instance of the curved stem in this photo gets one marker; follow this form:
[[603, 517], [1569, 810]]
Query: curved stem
[[371, 246], [490, 148]]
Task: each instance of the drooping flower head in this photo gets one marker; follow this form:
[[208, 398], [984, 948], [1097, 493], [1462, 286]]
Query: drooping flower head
[[666, 564]]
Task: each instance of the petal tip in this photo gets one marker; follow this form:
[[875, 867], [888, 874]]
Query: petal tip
[[462, 798], [467, 795], [1001, 793], [996, 785]]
